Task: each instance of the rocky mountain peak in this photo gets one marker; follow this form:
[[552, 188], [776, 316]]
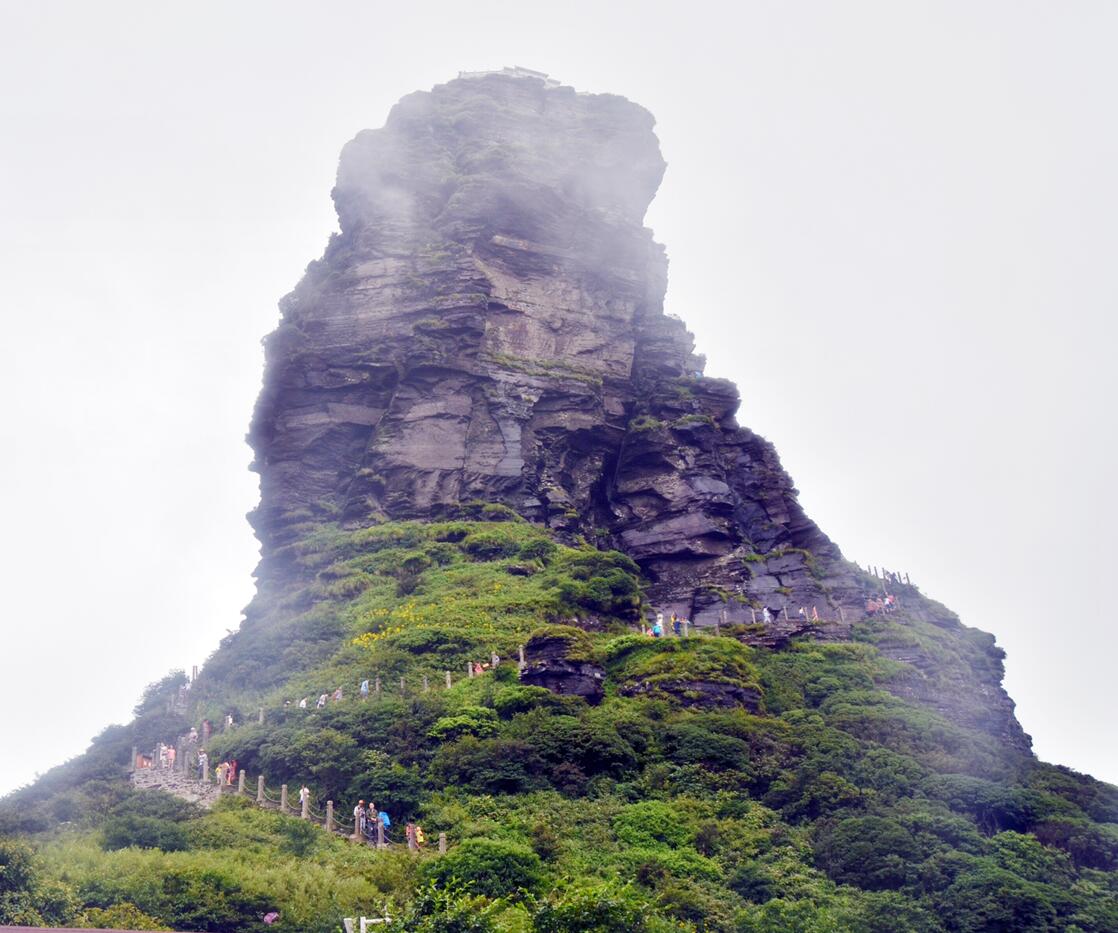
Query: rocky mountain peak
[[488, 326]]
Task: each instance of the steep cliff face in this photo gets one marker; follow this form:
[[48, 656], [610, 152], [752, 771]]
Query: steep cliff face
[[489, 325]]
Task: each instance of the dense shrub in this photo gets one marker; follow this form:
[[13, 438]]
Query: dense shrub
[[489, 866], [870, 852], [145, 832]]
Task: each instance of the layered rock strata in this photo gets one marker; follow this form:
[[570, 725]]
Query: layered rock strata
[[489, 324]]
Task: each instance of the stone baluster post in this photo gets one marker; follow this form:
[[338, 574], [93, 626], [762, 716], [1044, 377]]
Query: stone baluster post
[[329, 816], [305, 808], [260, 790], [469, 668], [521, 662], [442, 843], [241, 782], [260, 716], [283, 798], [448, 680], [686, 628], [376, 686], [426, 684], [402, 687], [135, 755], [380, 835], [411, 841]]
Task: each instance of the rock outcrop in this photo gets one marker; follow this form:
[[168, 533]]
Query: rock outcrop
[[551, 664], [488, 324]]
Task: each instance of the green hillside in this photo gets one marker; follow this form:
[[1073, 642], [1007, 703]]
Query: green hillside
[[714, 786]]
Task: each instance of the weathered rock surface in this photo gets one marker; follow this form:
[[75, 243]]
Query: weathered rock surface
[[548, 664], [488, 324], [179, 785]]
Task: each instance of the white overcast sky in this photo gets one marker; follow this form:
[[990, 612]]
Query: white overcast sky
[[892, 223]]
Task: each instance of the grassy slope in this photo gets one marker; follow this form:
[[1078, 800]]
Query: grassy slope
[[836, 807]]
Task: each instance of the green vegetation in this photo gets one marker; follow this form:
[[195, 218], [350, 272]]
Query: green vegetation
[[834, 805]]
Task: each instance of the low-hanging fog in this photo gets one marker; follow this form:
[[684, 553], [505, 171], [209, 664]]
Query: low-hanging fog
[[892, 224]]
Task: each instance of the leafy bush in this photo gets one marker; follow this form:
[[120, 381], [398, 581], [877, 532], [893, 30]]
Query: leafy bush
[[144, 832], [870, 851], [491, 867]]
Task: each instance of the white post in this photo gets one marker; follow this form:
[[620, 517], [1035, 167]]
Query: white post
[[241, 782], [329, 816], [442, 843], [426, 684], [520, 652], [469, 669], [283, 798], [260, 716], [448, 680], [305, 809], [380, 835], [260, 790]]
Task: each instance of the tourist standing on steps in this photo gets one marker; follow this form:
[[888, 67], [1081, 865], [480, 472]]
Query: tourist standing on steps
[[304, 797], [337, 694], [171, 757], [766, 616], [303, 703], [677, 626], [321, 704], [359, 816], [203, 765]]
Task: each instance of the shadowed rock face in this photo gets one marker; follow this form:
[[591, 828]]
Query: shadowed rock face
[[489, 325]]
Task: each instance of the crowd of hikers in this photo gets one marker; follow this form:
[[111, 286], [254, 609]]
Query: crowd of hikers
[[373, 824], [881, 605], [678, 626]]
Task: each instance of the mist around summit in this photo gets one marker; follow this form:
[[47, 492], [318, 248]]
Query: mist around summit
[[530, 582]]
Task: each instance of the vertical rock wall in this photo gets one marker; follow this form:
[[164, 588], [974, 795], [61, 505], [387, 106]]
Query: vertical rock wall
[[489, 324]]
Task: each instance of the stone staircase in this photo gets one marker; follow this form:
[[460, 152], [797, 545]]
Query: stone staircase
[[177, 784]]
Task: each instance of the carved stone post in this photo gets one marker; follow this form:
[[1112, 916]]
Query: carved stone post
[[329, 816], [376, 686], [260, 790], [380, 835], [241, 782], [520, 657], [260, 716], [305, 808], [283, 798], [469, 669], [448, 680], [426, 684], [442, 843]]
